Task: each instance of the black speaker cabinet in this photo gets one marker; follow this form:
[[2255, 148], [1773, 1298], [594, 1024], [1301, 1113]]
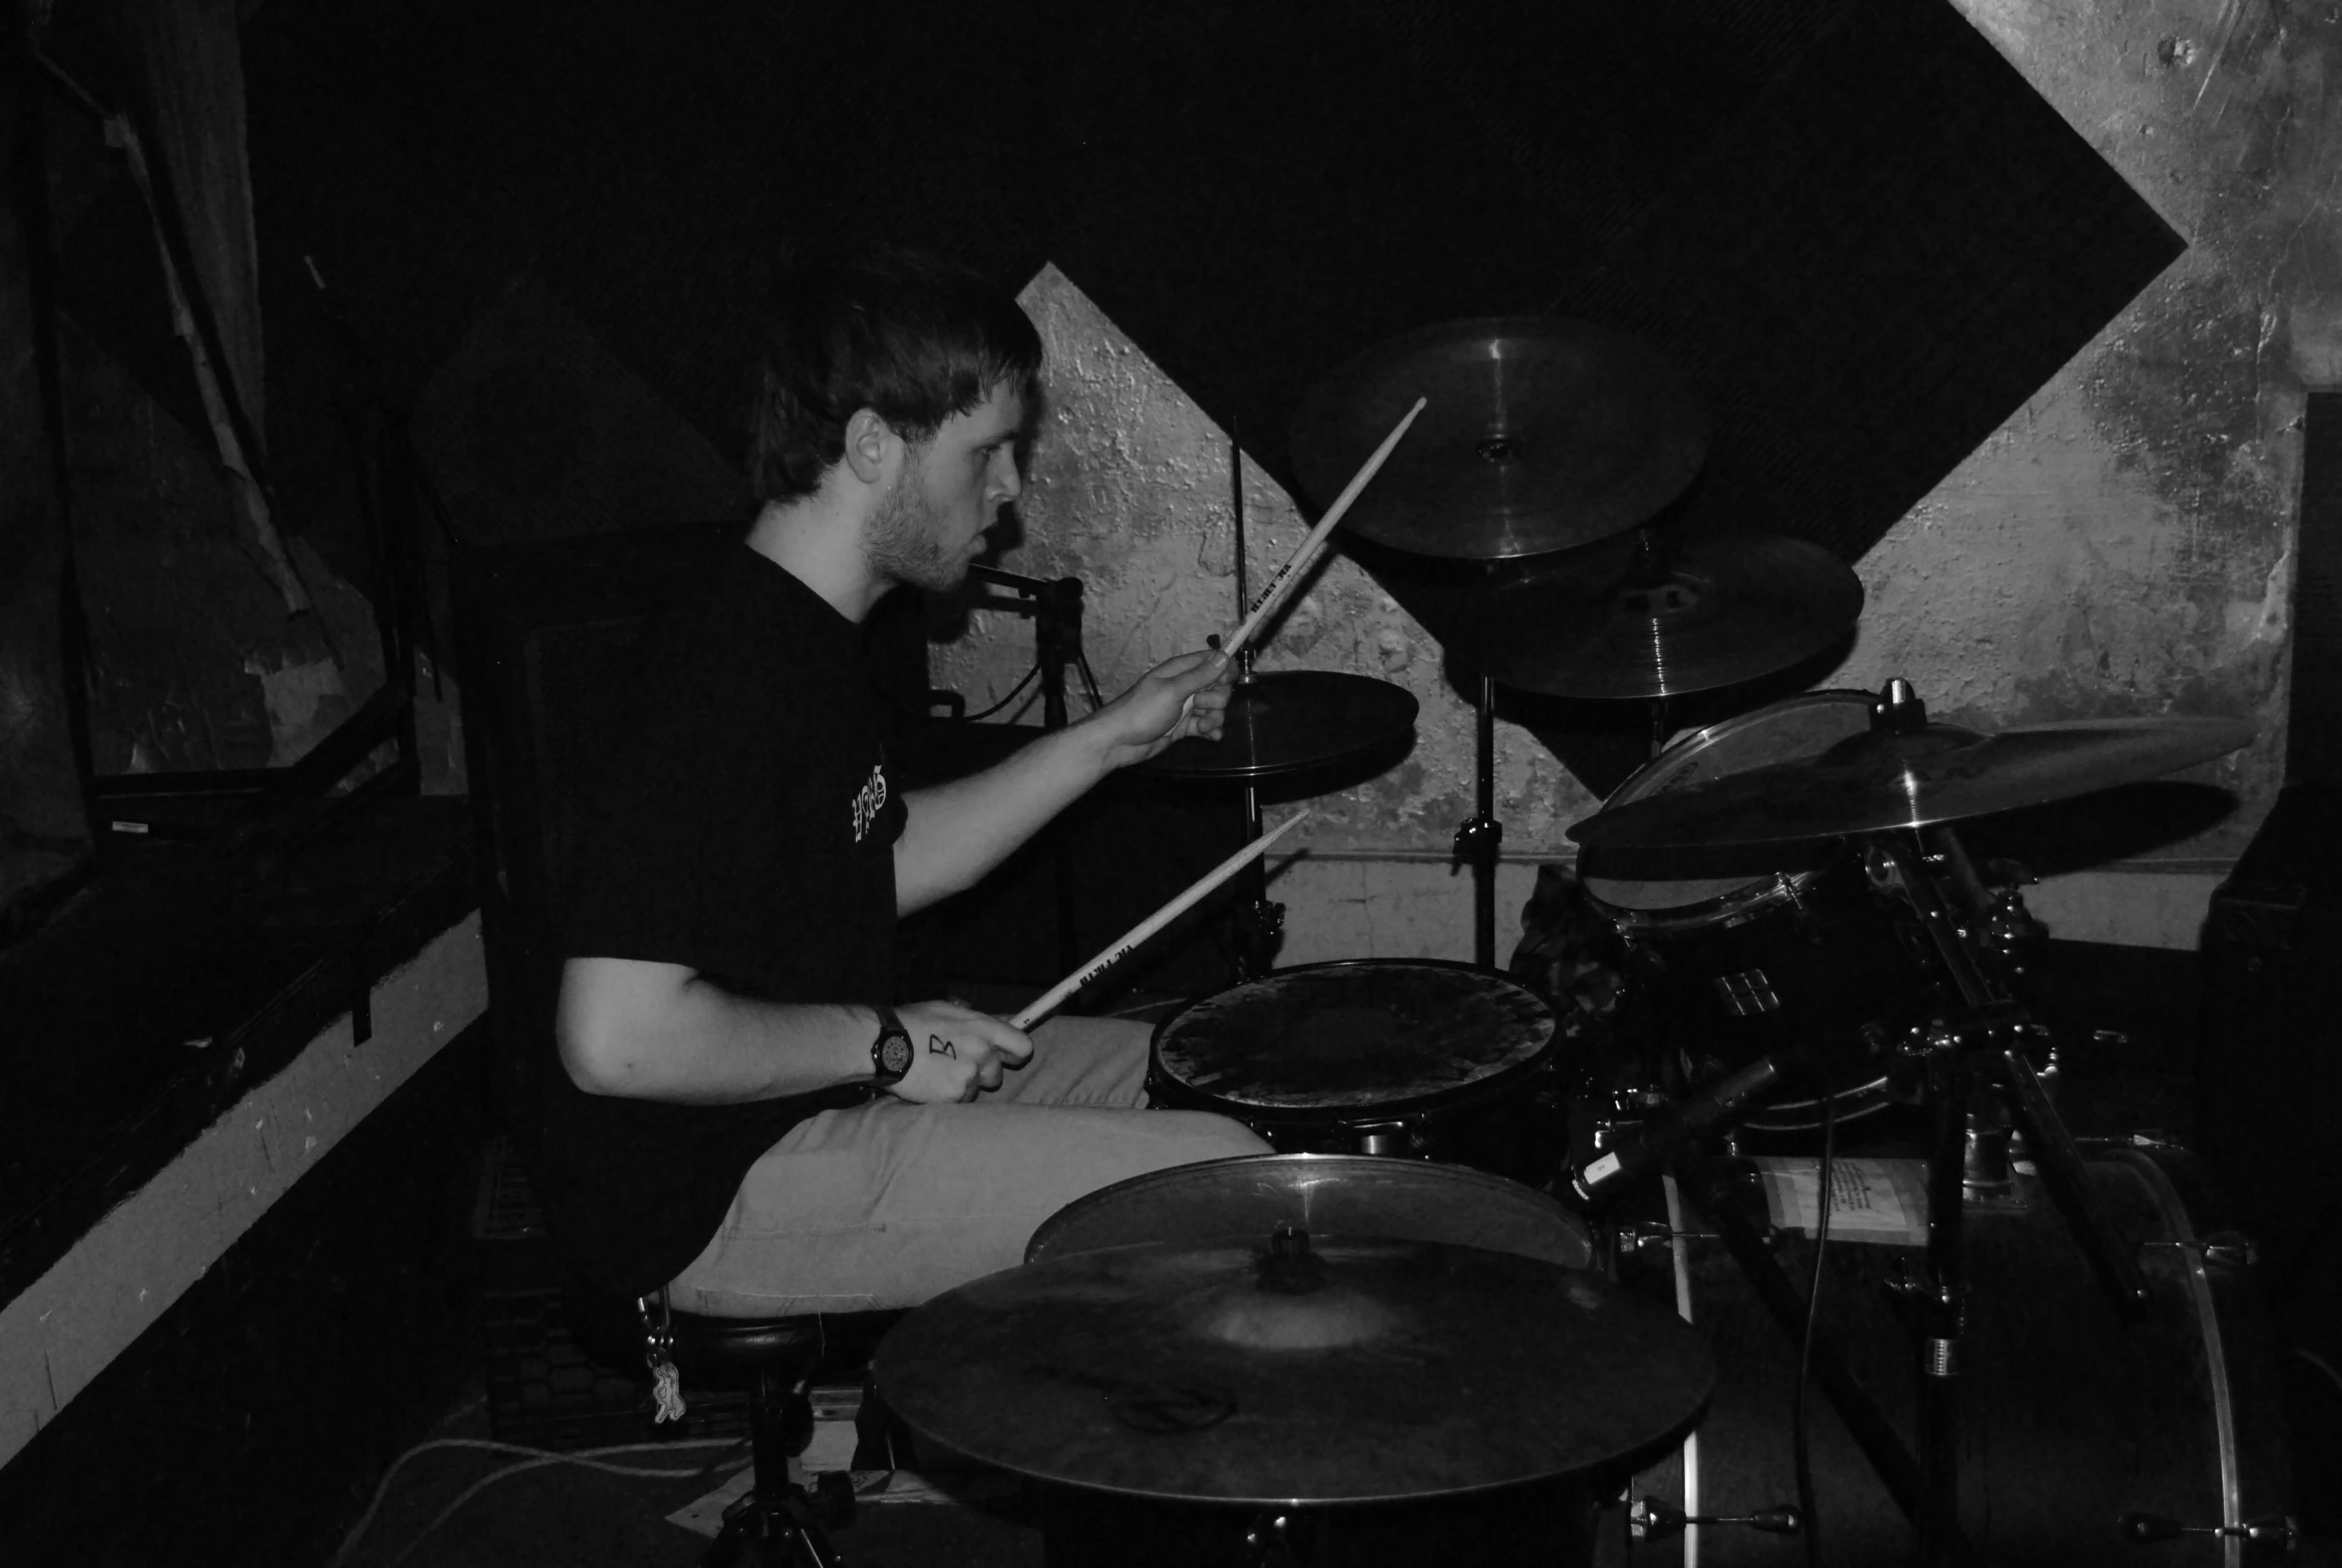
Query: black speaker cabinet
[[2269, 1084]]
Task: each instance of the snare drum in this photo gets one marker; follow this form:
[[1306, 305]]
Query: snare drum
[[1734, 952], [1412, 1057]]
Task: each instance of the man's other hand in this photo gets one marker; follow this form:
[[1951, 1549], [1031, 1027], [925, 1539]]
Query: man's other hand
[[957, 1053], [1177, 698]]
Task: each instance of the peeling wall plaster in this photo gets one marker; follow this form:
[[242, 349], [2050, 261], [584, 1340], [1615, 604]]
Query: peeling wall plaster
[[2124, 543]]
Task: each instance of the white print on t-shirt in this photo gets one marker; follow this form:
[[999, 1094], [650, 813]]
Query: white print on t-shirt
[[870, 800]]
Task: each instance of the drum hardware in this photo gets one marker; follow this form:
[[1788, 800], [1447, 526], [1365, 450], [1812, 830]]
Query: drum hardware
[[1259, 923], [1720, 1197], [1851, 972], [1644, 1147], [2070, 1423], [1650, 1519], [1269, 1542], [1648, 1236], [2274, 1531], [1055, 609], [1971, 1061], [1479, 842], [2221, 1250]]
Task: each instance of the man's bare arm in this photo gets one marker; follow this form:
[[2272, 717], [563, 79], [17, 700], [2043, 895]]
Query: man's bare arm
[[957, 832], [644, 1031]]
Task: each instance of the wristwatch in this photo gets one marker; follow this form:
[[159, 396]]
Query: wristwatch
[[889, 1053]]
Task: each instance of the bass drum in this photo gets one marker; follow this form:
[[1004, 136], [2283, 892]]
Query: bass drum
[[1736, 952], [2069, 1420]]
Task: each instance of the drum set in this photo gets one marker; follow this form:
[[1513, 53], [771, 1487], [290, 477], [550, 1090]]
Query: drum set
[[1504, 1294]]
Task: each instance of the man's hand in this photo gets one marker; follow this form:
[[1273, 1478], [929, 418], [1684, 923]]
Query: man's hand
[[957, 1053], [1179, 698]]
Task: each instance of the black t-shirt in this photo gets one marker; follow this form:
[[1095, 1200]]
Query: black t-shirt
[[745, 830]]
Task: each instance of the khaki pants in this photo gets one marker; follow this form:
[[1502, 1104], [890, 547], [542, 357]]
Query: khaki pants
[[887, 1203]]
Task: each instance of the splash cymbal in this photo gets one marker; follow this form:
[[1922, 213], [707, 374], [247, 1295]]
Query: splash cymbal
[[1540, 434], [1341, 1369]]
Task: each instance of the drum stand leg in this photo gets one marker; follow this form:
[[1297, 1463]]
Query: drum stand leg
[[1259, 922], [1882, 1445], [1956, 1056], [1478, 841]]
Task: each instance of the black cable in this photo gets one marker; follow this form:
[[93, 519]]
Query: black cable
[[1021, 683], [1804, 1349], [1089, 680]]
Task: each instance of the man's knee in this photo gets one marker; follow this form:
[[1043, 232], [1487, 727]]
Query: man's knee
[[1204, 1134]]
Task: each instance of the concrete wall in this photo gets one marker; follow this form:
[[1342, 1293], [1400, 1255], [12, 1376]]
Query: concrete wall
[[2121, 545]]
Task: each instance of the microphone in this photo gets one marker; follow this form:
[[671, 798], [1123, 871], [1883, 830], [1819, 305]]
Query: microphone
[[1644, 1149]]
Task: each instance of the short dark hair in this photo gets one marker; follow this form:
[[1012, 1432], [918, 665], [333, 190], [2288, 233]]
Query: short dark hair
[[879, 326]]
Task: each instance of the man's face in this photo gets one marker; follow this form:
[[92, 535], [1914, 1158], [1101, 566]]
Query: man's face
[[929, 525]]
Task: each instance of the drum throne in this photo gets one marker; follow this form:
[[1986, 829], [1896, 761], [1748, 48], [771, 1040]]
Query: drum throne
[[779, 1523]]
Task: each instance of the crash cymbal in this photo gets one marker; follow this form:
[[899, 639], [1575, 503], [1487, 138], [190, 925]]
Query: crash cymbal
[[1338, 1195], [1935, 773], [1288, 721], [1315, 1369], [1654, 615], [1540, 434]]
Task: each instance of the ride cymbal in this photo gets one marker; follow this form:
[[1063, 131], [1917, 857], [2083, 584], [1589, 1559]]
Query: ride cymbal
[[1293, 1370], [1540, 434], [1935, 773]]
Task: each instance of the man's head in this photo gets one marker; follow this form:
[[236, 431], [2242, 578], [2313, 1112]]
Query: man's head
[[912, 339]]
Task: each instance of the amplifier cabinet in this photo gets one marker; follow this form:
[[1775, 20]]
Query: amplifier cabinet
[[2269, 1079]]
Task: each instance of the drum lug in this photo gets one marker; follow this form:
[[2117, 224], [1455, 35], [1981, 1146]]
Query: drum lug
[[1652, 1519], [2274, 1531], [2221, 1250]]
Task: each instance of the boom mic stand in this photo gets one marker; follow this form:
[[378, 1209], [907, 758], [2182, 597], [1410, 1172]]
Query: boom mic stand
[[1056, 607]]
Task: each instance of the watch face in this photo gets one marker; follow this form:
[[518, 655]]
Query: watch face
[[894, 1055]]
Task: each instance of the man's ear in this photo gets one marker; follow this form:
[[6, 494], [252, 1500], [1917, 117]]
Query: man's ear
[[868, 441]]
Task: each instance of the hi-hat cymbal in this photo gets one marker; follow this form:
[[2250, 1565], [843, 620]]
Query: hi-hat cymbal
[[1937, 773], [1288, 721], [1347, 1371], [1650, 615], [1540, 434]]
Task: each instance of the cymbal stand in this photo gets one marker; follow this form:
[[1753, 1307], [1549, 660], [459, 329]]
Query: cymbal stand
[[1659, 723], [1960, 1059], [1481, 838], [1260, 920]]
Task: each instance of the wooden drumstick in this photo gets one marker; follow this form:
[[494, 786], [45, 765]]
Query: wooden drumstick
[[1281, 586], [1121, 949]]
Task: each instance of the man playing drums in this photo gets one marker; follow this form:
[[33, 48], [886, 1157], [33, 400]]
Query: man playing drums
[[723, 1016]]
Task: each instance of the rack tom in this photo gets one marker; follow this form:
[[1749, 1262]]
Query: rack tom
[[1736, 952], [1409, 1056]]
